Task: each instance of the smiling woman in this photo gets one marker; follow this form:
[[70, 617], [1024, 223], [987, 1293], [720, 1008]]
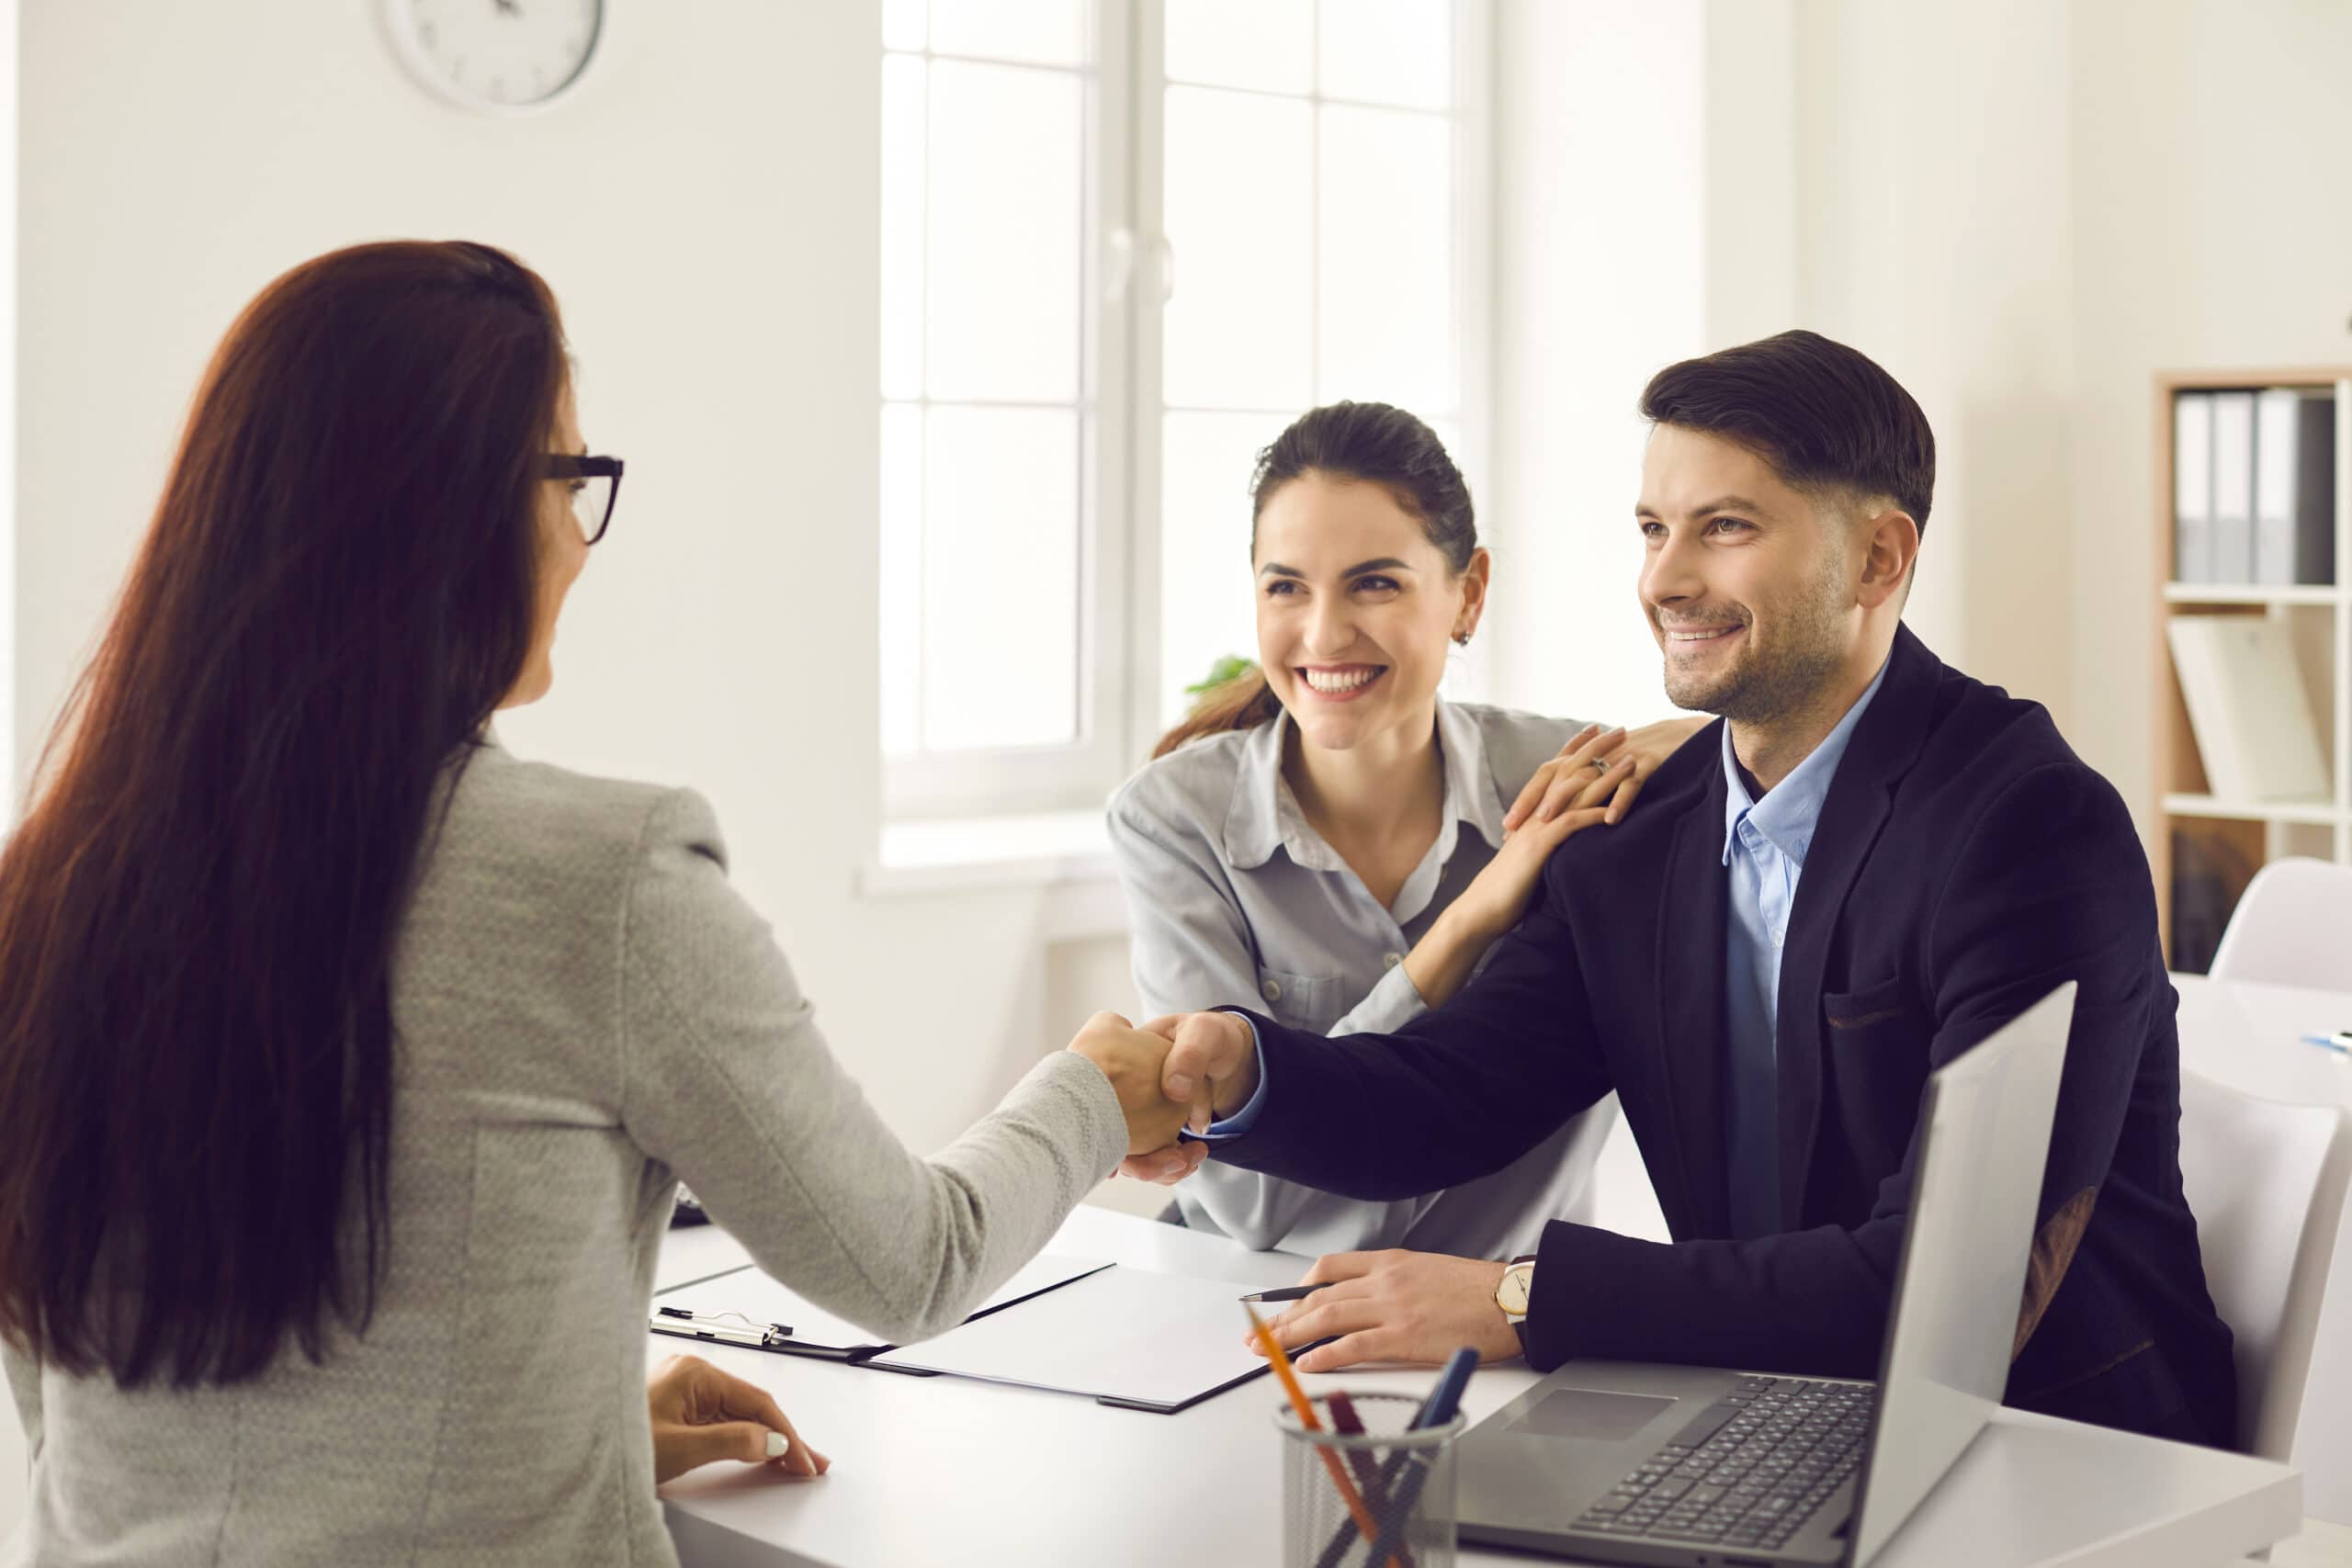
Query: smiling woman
[[1325, 836]]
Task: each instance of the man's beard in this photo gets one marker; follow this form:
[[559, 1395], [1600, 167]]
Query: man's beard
[[1764, 686]]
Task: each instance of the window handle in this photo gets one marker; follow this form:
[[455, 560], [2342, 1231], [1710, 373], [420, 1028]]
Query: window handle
[[1164, 263]]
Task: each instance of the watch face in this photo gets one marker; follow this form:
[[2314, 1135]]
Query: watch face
[[1512, 1293], [497, 54]]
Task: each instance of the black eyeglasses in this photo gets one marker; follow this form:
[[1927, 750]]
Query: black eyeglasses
[[595, 484]]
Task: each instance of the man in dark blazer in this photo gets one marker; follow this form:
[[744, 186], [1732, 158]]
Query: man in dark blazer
[[1872, 864]]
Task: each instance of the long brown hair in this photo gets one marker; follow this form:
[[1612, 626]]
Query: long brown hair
[[197, 914], [1371, 442]]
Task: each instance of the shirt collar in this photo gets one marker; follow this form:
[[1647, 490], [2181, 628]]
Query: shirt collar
[[1265, 817], [1789, 812]]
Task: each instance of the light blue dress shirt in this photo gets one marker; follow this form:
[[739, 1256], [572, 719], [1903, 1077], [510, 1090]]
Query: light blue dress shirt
[[1765, 844]]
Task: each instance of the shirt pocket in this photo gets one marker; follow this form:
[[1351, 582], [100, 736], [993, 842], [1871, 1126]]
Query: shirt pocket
[[1876, 1040], [1303, 1001]]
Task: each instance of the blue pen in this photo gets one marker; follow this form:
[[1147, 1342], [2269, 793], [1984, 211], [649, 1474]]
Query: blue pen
[[1437, 1410], [2339, 1042]]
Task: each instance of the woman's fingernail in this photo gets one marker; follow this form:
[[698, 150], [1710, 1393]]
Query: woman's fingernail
[[779, 1445]]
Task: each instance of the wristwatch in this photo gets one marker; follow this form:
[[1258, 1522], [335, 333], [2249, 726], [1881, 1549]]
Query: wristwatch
[[1516, 1288]]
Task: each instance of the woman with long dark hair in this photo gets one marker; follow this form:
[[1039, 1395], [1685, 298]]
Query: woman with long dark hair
[[348, 1063], [1327, 837]]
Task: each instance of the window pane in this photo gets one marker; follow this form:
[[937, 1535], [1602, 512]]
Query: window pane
[[1000, 562], [1386, 268], [1208, 603], [902, 24], [1048, 32], [1240, 211], [902, 203], [901, 579], [1002, 252], [1266, 44], [1387, 52]]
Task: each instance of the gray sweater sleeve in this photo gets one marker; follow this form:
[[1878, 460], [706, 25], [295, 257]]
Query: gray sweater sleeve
[[727, 1080]]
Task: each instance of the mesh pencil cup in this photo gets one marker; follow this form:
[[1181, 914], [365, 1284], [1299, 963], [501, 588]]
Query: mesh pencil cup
[[1399, 1483]]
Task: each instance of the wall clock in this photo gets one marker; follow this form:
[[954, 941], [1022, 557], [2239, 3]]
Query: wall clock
[[503, 56]]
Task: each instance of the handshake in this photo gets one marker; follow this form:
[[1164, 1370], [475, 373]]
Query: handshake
[[1184, 1070]]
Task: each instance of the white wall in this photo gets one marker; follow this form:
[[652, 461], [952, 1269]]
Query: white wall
[[705, 209], [2210, 228], [1600, 280]]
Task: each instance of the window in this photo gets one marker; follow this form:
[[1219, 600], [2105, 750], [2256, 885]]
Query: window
[[1122, 246]]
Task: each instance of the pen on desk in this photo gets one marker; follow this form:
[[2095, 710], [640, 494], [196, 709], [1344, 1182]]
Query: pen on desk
[[1306, 1409], [2340, 1042], [1288, 1293]]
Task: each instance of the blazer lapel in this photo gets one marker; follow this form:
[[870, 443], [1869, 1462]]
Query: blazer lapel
[[1694, 905], [1861, 798]]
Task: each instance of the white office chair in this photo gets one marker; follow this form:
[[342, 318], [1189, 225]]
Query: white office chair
[[2267, 1181], [2293, 927]]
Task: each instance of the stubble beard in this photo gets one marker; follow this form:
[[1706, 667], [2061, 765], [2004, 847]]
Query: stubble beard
[[1762, 688]]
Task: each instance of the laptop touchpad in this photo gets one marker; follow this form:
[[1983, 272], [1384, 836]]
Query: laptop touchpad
[[1591, 1415]]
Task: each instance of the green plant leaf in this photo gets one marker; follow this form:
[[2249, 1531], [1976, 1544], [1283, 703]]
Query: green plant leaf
[[1232, 667]]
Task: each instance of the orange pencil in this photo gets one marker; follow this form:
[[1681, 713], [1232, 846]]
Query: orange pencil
[[1305, 1408]]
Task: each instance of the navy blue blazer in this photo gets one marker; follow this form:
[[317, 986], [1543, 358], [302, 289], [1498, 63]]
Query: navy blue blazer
[[1966, 863]]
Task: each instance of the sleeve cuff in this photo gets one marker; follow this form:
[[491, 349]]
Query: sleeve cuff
[[1241, 1121]]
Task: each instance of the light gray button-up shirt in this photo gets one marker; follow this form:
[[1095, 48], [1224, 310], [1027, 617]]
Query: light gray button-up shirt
[[1233, 897]]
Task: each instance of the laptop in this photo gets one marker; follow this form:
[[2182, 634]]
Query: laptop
[[1698, 1467]]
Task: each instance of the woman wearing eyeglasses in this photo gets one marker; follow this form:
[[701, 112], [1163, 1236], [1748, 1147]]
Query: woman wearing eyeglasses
[[348, 1063], [1327, 838]]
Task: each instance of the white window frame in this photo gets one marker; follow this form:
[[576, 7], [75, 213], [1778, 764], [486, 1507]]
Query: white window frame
[[1125, 278]]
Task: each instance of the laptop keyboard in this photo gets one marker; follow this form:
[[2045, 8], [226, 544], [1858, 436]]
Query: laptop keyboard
[[1747, 1473]]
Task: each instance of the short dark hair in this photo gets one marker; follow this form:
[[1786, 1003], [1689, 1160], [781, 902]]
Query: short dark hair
[[1825, 416]]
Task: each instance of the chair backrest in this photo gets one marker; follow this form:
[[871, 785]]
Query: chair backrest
[[2293, 927], [2265, 1180]]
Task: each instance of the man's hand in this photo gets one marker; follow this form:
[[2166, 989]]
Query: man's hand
[[1396, 1306], [1210, 1073], [701, 1415], [1131, 1058]]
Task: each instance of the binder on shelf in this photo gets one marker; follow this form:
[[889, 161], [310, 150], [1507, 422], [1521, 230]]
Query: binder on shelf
[[2294, 486], [2192, 486], [2246, 708], [2232, 533]]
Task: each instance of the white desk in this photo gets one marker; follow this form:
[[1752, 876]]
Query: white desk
[[945, 1470], [2249, 1037]]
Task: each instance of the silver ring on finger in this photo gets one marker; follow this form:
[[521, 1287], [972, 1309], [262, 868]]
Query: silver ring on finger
[[1600, 764]]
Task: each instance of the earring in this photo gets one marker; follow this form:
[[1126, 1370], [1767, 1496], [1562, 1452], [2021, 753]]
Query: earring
[[1462, 638]]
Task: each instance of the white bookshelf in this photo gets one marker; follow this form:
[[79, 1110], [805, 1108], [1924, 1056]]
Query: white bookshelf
[[2244, 835]]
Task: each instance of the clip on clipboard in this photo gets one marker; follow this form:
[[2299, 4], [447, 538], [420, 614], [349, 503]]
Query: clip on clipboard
[[747, 1307]]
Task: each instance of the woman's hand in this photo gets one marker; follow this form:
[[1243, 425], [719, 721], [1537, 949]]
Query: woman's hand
[[1131, 1058], [1570, 782], [702, 1415], [1582, 777]]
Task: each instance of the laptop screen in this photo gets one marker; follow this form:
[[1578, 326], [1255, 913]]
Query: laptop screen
[[1953, 1320]]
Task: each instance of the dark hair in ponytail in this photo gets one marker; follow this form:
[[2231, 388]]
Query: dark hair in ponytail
[[1372, 442]]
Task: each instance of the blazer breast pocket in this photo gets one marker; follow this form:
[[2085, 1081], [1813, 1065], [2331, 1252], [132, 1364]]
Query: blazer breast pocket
[[1303, 1001], [1876, 1041]]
